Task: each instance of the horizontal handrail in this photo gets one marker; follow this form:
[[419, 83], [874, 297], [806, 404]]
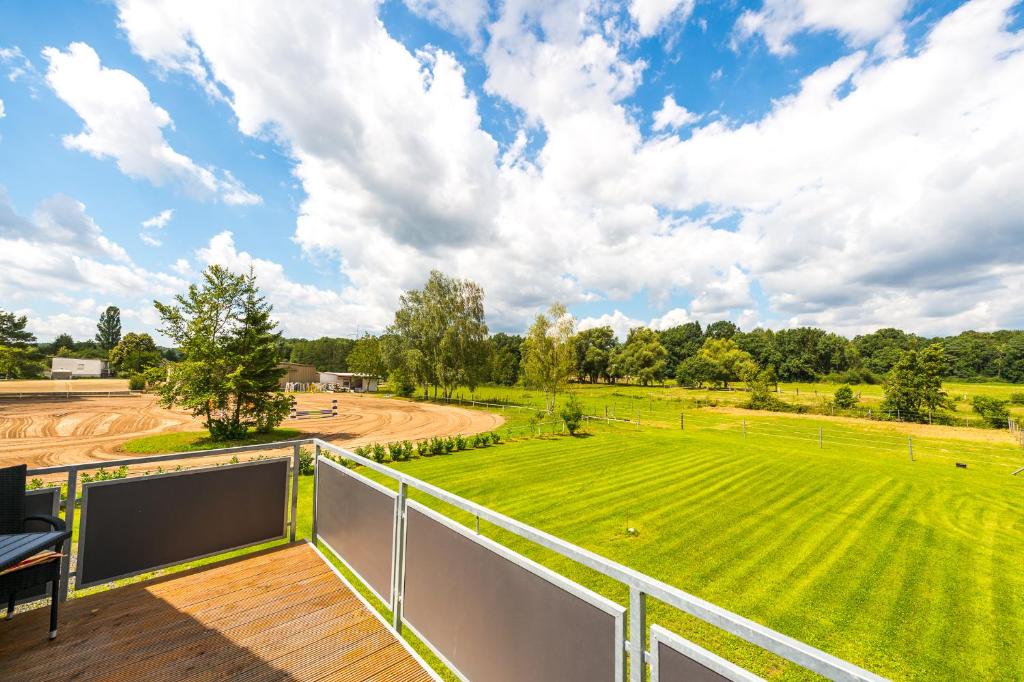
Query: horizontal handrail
[[791, 649], [193, 454]]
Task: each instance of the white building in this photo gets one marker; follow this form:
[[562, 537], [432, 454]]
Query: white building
[[360, 383], [76, 368]]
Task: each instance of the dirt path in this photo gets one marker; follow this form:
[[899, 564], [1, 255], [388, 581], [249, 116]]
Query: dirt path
[[47, 433]]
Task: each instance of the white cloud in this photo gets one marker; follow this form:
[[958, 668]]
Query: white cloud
[[121, 122], [886, 180], [617, 320], [2, 112], [183, 267], [651, 15], [464, 17], [60, 258], [672, 115], [152, 225], [856, 21]]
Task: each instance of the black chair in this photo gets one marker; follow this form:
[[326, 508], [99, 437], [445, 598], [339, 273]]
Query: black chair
[[16, 544]]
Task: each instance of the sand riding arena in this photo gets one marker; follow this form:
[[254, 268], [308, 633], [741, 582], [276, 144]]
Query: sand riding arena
[[50, 430]]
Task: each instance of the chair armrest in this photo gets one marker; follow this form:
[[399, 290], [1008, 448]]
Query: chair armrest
[[58, 524]]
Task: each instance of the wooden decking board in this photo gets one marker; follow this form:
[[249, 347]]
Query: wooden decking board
[[281, 614]]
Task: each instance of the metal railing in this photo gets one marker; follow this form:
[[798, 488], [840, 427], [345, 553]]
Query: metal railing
[[640, 586], [72, 472]]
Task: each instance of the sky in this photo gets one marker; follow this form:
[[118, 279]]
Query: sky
[[850, 165]]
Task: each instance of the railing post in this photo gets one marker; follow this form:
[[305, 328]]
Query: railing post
[[316, 484], [69, 520], [398, 557], [296, 458], [637, 626]]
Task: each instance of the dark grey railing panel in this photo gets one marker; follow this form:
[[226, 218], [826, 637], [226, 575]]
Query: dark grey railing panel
[[134, 525], [356, 519], [41, 501], [674, 659], [496, 616]]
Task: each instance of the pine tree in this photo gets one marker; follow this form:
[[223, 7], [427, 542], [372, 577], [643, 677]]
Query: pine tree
[[108, 332]]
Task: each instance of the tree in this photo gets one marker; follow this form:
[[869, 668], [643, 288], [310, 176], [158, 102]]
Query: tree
[[913, 387], [63, 341], [548, 354], [134, 354], [992, 410], [643, 357], [844, 397], [506, 356], [327, 354], [19, 363], [1011, 359], [594, 348], [366, 357], [444, 323], [695, 371], [723, 329], [729, 363], [108, 330], [229, 375], [881, 350], [572, 414], [12, 331], [680, 342]]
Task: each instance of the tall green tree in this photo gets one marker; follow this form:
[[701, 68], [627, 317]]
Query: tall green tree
[[913, 387], [681, 342], [594, 348], [548, 353], [506, 356], [13, 332], [229, 375], [134, 354], [366, 357], [642, 357], [727, 362], [723, 329], [62, 341], [108, 330], [444, 324]]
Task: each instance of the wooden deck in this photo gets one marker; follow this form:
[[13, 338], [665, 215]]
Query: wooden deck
[[278, 615]]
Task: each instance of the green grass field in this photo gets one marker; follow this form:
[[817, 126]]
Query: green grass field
[[910, 569], [627, 400], [182, 441]]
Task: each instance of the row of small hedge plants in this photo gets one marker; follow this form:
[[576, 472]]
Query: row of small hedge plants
[[404, 451]]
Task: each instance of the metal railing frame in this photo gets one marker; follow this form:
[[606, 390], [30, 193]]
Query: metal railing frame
[[640, 585], [72, 471]]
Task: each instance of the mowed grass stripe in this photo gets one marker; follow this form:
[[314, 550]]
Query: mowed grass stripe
[[909, 569]]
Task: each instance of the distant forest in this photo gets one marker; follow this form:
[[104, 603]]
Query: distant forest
[[799, 354]]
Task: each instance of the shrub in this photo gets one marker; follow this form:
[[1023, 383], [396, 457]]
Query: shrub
[[423, 448], [844, 397], [992, 410], [378, 452], [495, 438], [136, 382], [460, 442], [449, 444], [1017, 398], [305, 462], [437, 446], [34, 484], [479, 442], [104, 475], [572, 414]]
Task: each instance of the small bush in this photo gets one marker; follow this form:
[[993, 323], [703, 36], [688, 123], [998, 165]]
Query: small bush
[[136, 382], [572, 414], [495, 438], [396, 452], [844, 397], [449, 444], [423, 448], [460, 442], [437, 446], [1017, 398], [34, 484], [305, 462], [992, 410], [378, 452], [478, 442], [104, 475]]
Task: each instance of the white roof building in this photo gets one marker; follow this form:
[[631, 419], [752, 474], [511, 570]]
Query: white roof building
[[353, 381], [76, 368]]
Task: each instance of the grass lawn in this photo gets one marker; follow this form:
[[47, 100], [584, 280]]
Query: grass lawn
[[910, 569], [182, 441]]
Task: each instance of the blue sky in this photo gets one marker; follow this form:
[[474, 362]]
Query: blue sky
[[776, 162]]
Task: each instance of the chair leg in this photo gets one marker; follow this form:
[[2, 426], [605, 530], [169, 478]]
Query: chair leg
[[10, 607], [54, 603]]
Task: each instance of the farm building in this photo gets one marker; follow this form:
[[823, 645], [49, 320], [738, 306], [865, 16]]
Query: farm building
[[298, 374], [350, 380], [76, 368]]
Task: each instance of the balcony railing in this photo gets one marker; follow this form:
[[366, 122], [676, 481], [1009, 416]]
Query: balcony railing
[[488, 612]]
